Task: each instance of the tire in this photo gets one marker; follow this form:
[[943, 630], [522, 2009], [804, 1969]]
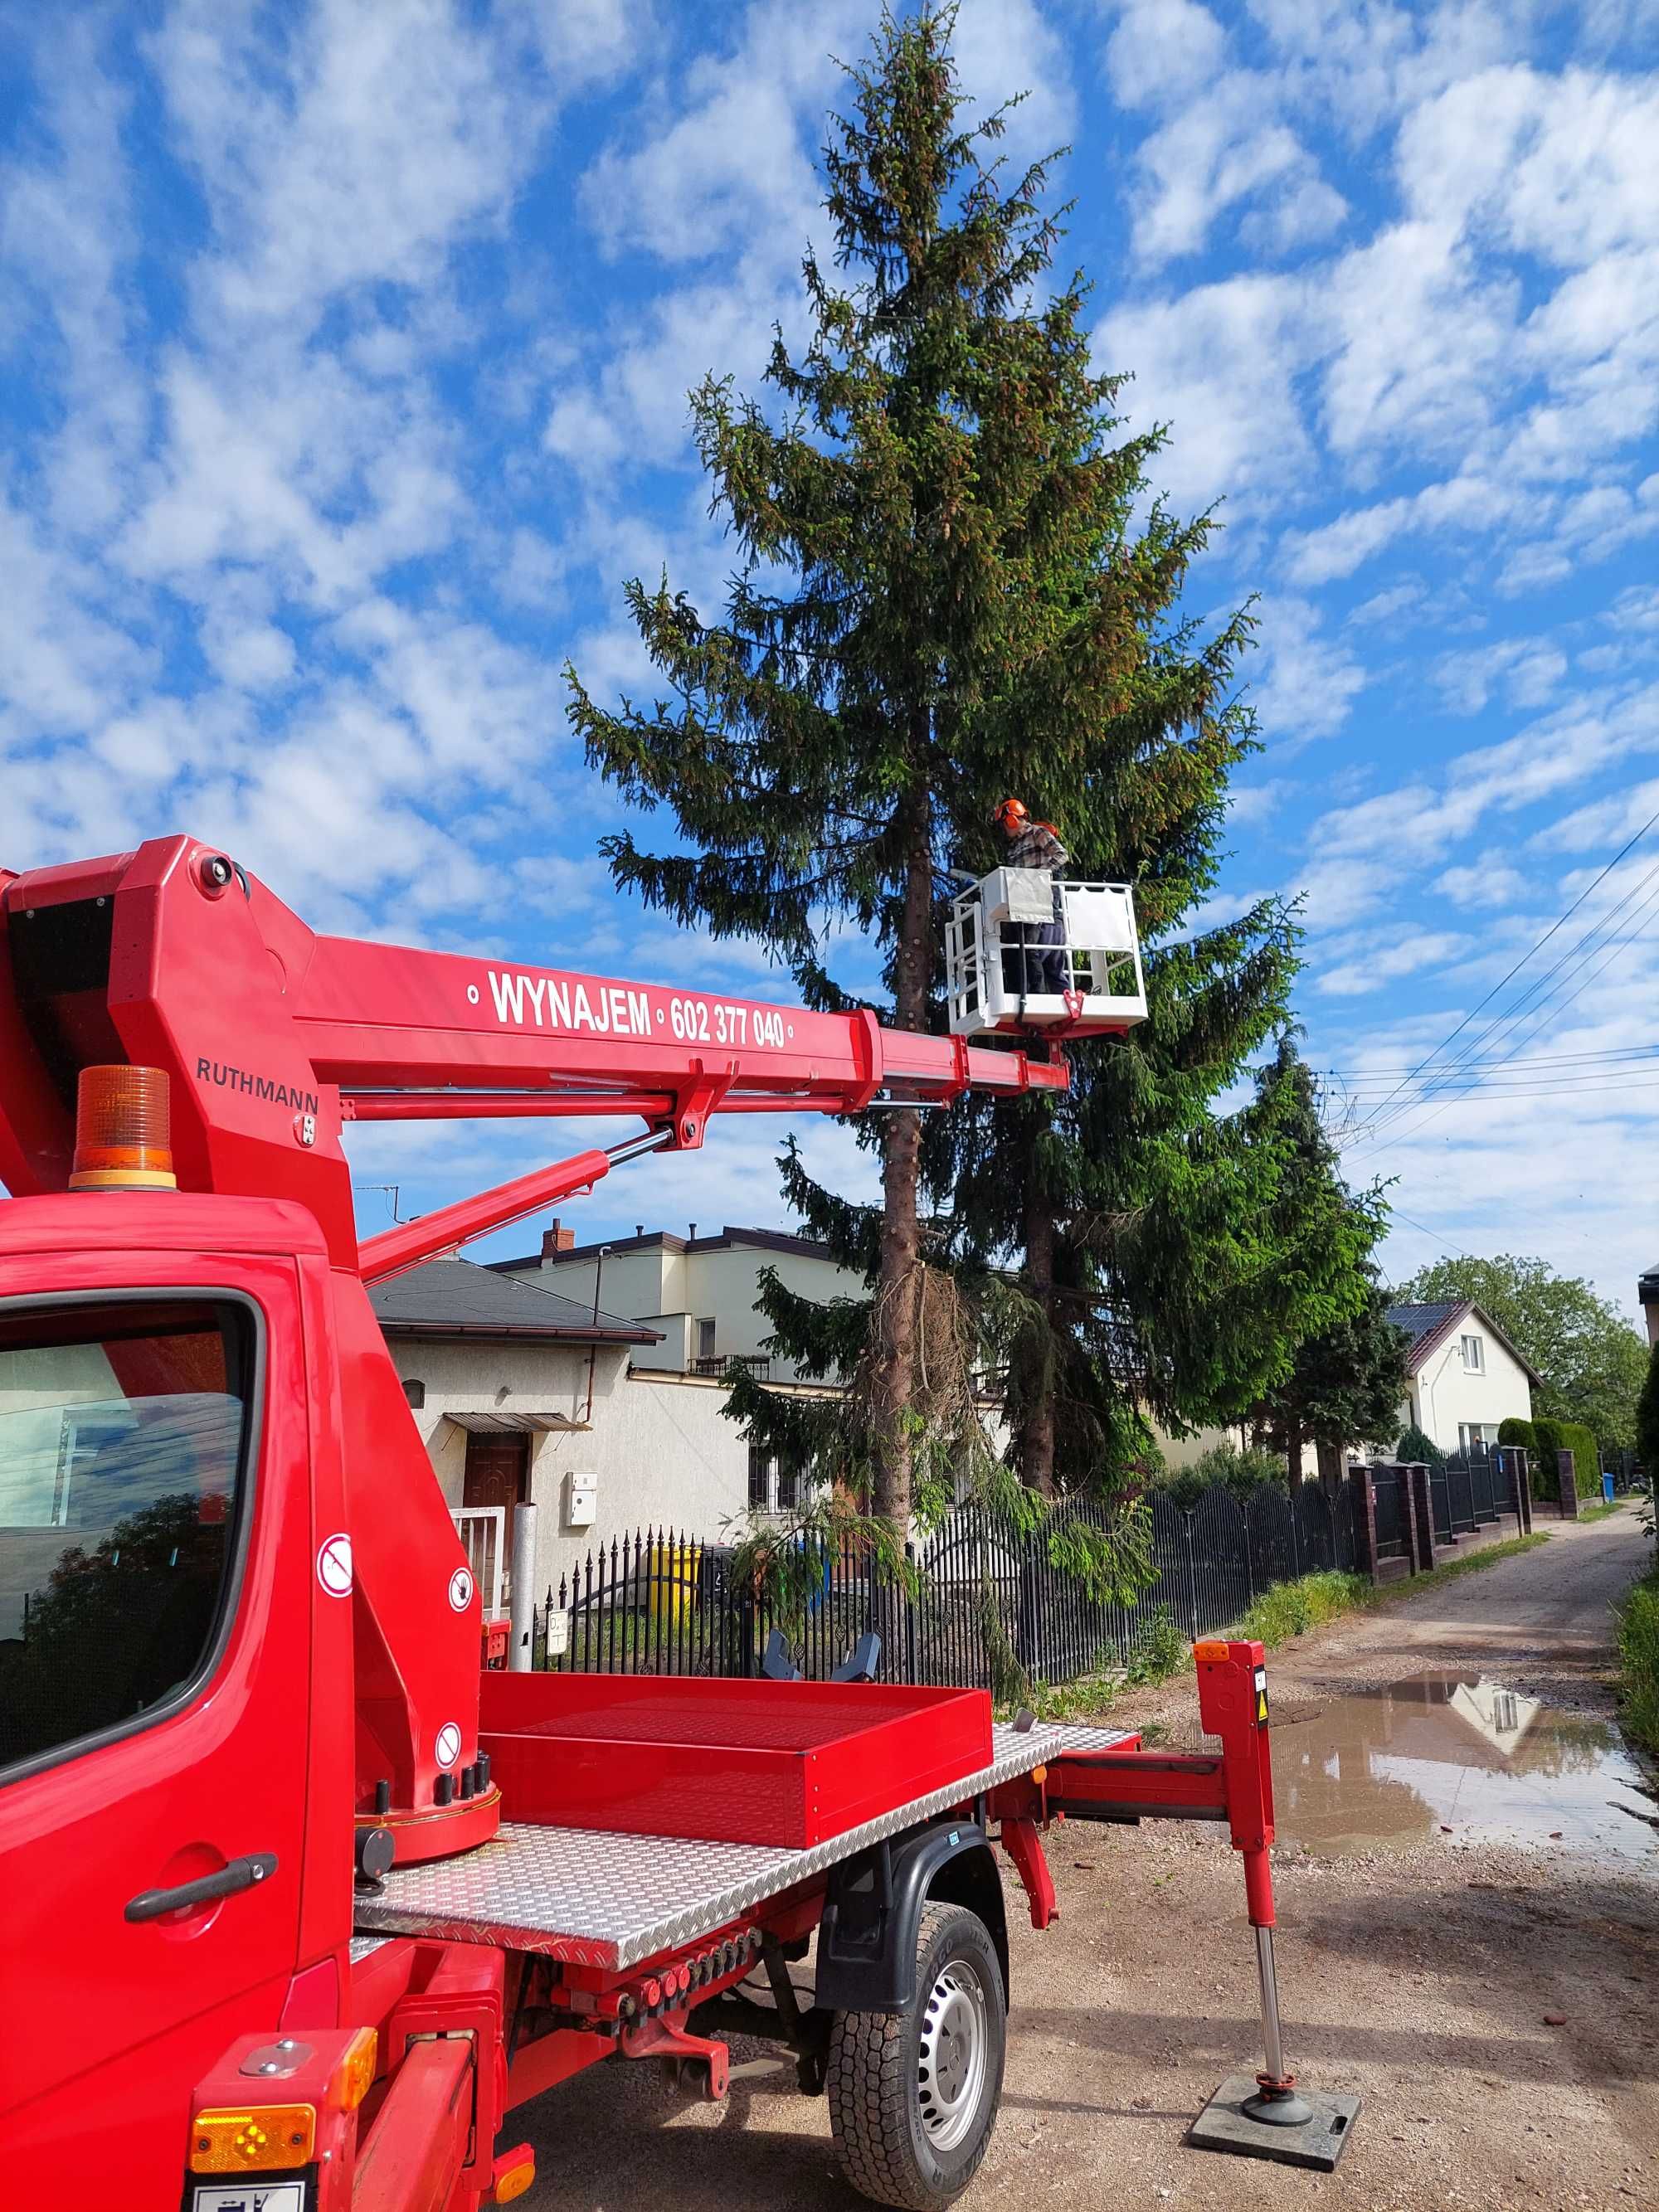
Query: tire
[[912, 2095]]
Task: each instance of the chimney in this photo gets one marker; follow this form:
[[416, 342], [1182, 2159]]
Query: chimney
[[556, 1239], [638, 1229], [692, 1238]]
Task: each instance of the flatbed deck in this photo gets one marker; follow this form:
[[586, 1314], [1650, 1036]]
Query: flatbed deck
[[596, 1897]]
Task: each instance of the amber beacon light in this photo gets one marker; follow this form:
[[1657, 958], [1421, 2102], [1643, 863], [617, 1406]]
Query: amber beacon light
[[123, 1131]]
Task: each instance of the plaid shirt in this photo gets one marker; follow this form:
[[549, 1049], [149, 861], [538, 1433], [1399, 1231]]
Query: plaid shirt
[[1036, 847]]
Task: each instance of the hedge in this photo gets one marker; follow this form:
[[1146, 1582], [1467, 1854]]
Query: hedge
[[1512, 1429], [1565, 1436], [1638, 1649]]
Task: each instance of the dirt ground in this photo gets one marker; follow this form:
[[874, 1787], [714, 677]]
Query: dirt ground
[[1421, 1975]]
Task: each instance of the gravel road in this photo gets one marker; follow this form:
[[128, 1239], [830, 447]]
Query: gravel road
[[1421, 1975]]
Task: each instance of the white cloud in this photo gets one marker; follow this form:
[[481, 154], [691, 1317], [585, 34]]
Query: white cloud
[[1484, 886], [1312, 680], [356, 146], [724, 160], [1604, 825], [1218, 151], [1219, 365], [1163, 50], [1004, 47], [1528, 669], [1388, 958]]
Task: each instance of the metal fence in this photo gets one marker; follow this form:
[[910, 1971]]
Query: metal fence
[[1469, 1492], [984, 1602]]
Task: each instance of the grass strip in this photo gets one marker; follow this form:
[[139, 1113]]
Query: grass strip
[[1284, 1611], [1638, 1663]]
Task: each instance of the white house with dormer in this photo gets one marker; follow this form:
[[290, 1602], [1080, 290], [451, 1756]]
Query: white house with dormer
[[1463, 1377]]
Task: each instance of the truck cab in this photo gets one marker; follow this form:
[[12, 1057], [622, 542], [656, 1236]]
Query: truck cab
[[175, 1744]]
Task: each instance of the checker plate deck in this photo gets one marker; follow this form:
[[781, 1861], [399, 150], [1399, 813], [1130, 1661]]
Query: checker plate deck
[[592, 1897]]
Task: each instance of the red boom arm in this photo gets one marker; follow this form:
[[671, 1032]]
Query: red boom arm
[[274, 1037]]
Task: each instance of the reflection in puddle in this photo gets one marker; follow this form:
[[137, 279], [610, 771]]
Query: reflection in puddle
[[1398, 1765]]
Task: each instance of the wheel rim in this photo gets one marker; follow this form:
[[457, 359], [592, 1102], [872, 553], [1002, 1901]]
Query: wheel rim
[[951, 2061]]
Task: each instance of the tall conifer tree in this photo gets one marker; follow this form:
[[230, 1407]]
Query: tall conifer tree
[[944, 596], [932, 461]]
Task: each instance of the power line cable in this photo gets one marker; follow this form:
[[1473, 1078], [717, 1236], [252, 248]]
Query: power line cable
[[1370, 1138], [1534, 1001], [1608, 1053], [1558, 923]]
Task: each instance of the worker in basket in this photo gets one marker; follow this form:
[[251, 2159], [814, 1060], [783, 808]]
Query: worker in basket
[[1036, 846]]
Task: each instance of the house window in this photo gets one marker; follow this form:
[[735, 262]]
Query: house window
[[789, 1486], [1476, 1436], [760, 1480], [416, 1394], [1474, 1355], [706, 1339]]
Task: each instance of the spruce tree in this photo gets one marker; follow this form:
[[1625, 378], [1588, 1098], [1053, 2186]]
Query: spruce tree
[[1343, 1373], [950, 590], [913, 516]]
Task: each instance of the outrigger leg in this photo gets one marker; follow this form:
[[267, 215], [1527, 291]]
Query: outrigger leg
[[1264, 2114]]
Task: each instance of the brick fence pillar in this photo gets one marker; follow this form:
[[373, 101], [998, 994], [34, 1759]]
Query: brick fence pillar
[[1567, 1485], [1422, 1515], [1362, 1490]]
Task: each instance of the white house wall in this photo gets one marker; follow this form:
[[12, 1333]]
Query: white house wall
[[660, 1452], [1443, 1393]]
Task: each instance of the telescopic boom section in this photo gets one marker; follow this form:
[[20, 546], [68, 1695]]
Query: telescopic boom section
[[273, 1037]]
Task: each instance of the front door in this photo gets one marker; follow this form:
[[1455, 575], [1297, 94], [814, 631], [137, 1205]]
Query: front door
[[155, 1562], [498, 1473]]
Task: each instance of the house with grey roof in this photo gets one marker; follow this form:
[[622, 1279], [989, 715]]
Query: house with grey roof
[[1463, 1377]]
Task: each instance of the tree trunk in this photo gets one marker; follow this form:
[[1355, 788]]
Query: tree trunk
[[898, 1287], [1293, 1440], [1036, 1437]]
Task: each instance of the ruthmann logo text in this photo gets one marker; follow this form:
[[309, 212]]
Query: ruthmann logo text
[[257, 1086], [544, 1003]]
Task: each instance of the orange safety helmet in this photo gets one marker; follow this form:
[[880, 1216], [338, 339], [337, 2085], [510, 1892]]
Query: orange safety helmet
[[1011, 815]]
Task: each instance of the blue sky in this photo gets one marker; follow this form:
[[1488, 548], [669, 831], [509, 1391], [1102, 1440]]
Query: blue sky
[[343, 350]]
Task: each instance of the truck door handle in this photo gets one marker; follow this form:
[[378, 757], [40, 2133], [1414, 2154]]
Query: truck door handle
[[241, 1874]]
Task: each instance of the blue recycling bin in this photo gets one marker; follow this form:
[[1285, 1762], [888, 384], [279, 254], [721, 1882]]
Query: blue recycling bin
[[1606, 1489]]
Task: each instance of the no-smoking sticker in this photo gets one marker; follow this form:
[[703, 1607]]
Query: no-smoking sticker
[[460, 1590], [447, 1747], [334, 1565]]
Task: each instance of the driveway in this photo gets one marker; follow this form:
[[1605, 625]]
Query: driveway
[[1489, 1984]]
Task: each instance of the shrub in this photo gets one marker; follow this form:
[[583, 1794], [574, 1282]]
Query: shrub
[[1161, 1649], [1639, 1652], [1237, 1471], [1512, 1429], [1414, 1446], [1565, 1436]]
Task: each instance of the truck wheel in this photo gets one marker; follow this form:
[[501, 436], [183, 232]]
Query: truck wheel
[[913, 2096]]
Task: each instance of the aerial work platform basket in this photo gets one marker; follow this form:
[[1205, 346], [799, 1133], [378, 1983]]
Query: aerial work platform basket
[[1025, 951]]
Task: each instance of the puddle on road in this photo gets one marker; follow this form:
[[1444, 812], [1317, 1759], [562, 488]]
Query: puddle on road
[[1400, 1764]]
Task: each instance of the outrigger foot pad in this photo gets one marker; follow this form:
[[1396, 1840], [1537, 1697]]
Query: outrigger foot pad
[[1229, 2121]]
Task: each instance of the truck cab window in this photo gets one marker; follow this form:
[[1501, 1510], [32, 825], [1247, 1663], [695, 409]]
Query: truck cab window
[[122, 1432]]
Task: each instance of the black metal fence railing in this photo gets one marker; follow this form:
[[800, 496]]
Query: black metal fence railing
[[1476, 1492], [985, 1602], [1389, 1488]]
